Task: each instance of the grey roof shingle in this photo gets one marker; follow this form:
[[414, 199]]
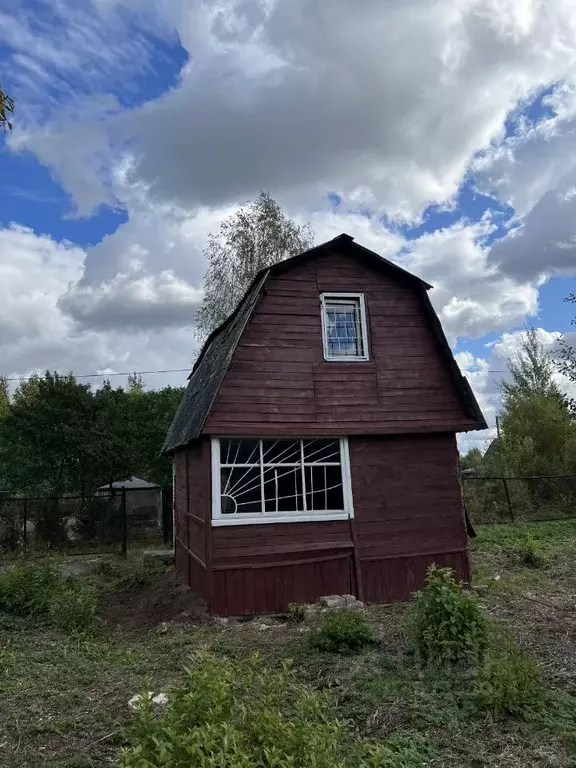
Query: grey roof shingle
[[214, 358], [209, 370]]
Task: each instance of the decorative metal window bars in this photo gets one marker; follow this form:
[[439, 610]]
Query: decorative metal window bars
[[283, 476]]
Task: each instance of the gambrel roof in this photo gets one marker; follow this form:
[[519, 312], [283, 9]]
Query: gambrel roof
[[215, 356]]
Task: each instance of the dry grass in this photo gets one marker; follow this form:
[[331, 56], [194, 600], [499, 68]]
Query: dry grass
[[63, 700]]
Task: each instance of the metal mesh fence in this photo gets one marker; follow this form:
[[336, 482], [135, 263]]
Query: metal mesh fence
[[504, 499], [109, 521]]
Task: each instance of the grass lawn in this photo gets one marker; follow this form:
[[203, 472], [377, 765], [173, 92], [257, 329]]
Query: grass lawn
[[63, 699]]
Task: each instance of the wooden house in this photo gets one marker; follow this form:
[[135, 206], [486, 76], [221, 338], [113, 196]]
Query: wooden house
[[315, 446]]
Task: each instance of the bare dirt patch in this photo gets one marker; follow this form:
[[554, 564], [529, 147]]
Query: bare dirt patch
[[163, 598]]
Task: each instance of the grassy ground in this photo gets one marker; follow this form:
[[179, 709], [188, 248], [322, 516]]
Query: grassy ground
[[63, 700]]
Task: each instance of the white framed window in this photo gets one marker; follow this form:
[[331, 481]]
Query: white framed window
[[269, 480], [344, 331]]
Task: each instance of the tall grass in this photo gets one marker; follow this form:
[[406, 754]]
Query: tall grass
[[38, 590]]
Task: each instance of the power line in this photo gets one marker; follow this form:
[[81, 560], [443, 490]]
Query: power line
[[107, 375], [164, 370]]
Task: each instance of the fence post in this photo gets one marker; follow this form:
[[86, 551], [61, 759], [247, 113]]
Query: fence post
[[506, 490], [166, 515], [504, 481], [25, 525], [124, 518]]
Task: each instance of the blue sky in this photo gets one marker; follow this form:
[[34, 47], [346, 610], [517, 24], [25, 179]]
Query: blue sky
[[140, 125]]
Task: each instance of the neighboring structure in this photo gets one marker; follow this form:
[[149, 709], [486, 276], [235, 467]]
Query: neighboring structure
[[143, 501], [314, 448]]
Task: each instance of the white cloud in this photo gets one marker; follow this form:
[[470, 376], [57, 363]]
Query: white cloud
[[471, 295], [33, 271], [134, 301], [54, 47], [385, 103], [36, 334], [535, 173]]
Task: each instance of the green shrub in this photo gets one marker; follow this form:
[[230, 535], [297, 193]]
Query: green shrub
[[343, 632], [448, 625], [297, 612], [27, 589], [530, 553], [238, 714], [38, 590], [509, 683], [73, 608]]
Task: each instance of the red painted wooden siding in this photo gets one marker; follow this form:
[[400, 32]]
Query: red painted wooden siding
[[278, 382], [408, 511], [268, 588], [406, 492], [263, 568], [193, 514], [408, 514]]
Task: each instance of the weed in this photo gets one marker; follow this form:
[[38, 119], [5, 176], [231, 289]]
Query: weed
[[78, 761], [509, 683], [131, 576], [73, 609], [297, 612], [343, 632], [448, 624], [530, 553], [239, 714], [39, 591]]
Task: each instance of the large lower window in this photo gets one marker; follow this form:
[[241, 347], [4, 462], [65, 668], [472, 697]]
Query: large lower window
[[265, 480]]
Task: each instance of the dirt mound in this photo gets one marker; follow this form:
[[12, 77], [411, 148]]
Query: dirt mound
[[165, 598]]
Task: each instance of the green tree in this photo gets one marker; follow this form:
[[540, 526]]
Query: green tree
[[6, 110], [45, 438], [57, 436], [112, 433], [538, 431], [472, 459], [538, 436], [257, 236], [4, 398], [531, 373], [151, 413], [567, 357]]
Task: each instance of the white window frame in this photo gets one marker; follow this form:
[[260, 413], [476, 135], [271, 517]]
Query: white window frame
[[218, 519], [363, 327]]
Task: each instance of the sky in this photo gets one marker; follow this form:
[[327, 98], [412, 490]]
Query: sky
[[439, 133]]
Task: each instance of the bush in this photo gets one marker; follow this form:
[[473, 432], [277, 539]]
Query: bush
[[100, 520], [447, 622], [343, 632], [73, 608], [509, 683], [237, 714], [38, 590], [530, 553], [297, 612]]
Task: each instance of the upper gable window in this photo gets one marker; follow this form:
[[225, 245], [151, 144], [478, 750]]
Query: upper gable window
[[344, 326]]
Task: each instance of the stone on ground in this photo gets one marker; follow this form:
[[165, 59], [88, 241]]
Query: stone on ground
[[75, 568], [341, 603], [154, 557]]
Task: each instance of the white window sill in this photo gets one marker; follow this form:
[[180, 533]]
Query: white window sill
[[346, 359], [289, 518]]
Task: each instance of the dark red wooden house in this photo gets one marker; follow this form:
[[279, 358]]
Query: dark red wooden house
[[315, 446]]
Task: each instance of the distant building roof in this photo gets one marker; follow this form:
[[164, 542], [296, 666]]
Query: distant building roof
[[132, 482]]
